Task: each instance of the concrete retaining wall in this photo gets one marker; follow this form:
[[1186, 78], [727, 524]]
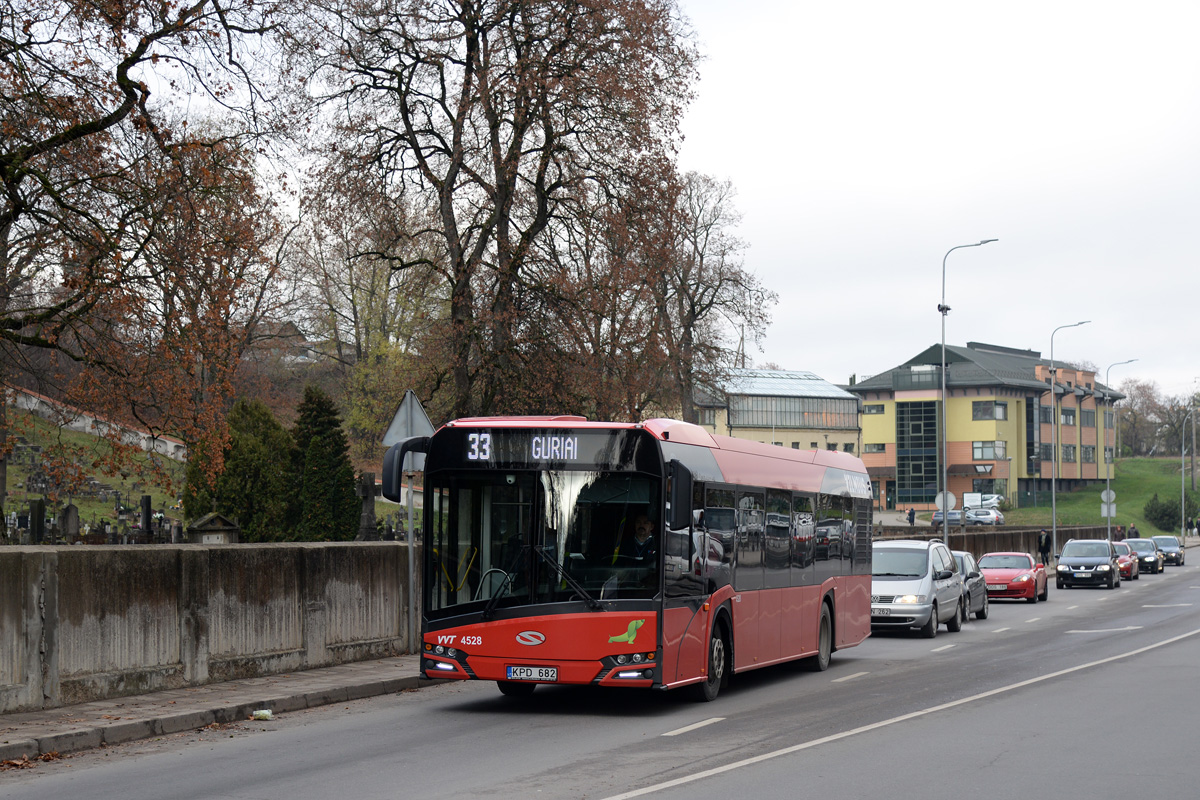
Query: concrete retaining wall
[[85, 623], [982, 539]]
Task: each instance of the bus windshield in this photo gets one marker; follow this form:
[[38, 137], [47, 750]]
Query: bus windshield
[[519, 537]]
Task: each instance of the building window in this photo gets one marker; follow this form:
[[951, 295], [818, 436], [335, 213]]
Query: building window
[[989, 409], [1047, 452], [1068, 416], [873, 408], [777, 444], [706, 416], [989, 451], [1087, 417], [813, 445], [848, 447], [1068, 451], [916, 451], [990, 485], [831, 445], [1108, 419], [1046, 414], [874, 448], [1108, 455], [1087, 453], [795, 445]]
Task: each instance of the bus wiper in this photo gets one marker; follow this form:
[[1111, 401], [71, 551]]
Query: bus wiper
[[592, 602], [489, 610]]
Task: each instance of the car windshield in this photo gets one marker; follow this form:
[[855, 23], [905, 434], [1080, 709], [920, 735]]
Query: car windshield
[[1166, 541], [1005, 562], [898, 563], [1122, 548], [1085, 550], [1141, 545]]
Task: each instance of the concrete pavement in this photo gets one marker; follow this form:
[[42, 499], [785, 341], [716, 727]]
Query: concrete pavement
[[26, 735]]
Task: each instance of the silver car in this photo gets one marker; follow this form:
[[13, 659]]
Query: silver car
[[915, 584]]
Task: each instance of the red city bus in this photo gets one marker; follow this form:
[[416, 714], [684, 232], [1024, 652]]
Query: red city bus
[[535, 571]]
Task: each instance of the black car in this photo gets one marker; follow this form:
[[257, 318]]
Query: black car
[[1171, 548], [1150, 557], [1088, 562]]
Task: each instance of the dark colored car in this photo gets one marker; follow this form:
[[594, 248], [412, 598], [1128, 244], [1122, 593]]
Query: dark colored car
[[1087, 562], [975, 592], [1150, 557], [1171, 548]]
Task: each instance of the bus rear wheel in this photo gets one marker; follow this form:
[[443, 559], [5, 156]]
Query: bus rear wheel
[[820, 662], [515, 688], [717, 654]]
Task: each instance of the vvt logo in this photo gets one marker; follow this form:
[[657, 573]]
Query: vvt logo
[[531, 638]]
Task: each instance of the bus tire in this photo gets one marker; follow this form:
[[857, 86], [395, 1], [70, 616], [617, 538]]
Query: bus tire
[[515, 688], [718, 663], [820, 662]]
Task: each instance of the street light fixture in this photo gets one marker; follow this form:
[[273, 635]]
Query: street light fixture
[[1182, 469], [1104, 441], [945, 309], [1054, 437]]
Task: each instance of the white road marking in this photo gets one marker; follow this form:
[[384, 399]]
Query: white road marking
[[1110, 630], [940, 649], [1035, 619], [1071, 607], [1171, 605], [1001, 630], [796, 748], [694, 726], [849, 677]]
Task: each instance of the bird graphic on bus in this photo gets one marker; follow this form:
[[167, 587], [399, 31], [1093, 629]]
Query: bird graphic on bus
[[630, 634]]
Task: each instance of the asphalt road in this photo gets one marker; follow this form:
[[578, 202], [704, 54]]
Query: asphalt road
[[1038, 698]]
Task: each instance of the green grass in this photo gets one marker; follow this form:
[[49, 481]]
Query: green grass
[[37, 431], [1135, 481]]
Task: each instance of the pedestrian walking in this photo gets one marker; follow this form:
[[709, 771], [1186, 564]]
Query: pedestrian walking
[[1044, 546], [1119, 536], [912, 517], [1133, 532]]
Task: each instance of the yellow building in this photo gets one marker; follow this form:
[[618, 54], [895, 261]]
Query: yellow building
[[783, 407], [999, 426]]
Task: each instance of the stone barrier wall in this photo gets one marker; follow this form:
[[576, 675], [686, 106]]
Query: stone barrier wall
[[84, 623], [980, 539]]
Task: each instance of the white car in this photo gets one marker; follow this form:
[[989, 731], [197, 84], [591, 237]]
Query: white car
[[984, 516], [990, 500]]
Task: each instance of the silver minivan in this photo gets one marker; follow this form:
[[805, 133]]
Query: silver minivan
[[915, 584]]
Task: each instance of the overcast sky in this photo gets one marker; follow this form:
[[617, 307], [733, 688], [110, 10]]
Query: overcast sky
[[865, 139]]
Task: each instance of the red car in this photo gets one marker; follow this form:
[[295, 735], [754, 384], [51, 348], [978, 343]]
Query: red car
[[1014, 575], [1127, 560]]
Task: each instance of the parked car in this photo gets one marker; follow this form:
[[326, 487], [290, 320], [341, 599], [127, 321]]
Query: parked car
[[955, 517], [1014, 576], [974, 586], [991, 500], [984, 516], [1087, 562], [915, 584], [1150, 557], [1172, 550], [1127, 561]]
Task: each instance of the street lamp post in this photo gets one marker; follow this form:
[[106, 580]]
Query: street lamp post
[[1104, 438], [1183, 469], [1054, 437], [945, 309]]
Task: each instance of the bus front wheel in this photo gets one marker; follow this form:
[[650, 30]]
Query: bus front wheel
[[717, 655], [515, 688], [820, 662]]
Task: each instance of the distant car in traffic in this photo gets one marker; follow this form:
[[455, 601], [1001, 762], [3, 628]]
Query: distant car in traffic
[[955, 517], [1172, 550], [1127, 561], [974, 585], [1014, 576], [984, 516], [1087, 562], [1150, 557]]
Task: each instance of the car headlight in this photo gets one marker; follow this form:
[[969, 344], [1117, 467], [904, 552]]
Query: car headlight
[[909, 598], [1022, 579], [1102, 568], [1063, 568]]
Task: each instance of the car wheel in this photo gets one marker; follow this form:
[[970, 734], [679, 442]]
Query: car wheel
[[1111, 583], [982, 613], [1033, 595], [820, 662], [929, 629], [955, 623], [708, 689], [1045, 592], [515, 688], [1058, 584]]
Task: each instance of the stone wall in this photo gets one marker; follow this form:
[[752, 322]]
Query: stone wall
[[83, 623]]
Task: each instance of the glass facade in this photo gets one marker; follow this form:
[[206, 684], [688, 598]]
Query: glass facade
[[829, 413], [916, 451]]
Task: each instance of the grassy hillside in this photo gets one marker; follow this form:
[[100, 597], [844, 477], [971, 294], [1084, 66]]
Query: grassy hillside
[[1135, 481], [37, 432]]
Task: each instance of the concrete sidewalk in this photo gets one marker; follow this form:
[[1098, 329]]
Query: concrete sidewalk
[[124, 719]]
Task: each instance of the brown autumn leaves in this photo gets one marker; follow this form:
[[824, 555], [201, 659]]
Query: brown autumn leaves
[[478, 200]]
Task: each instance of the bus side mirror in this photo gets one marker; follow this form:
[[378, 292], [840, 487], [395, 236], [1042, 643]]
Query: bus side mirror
[[393, 465], [681, 496]]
